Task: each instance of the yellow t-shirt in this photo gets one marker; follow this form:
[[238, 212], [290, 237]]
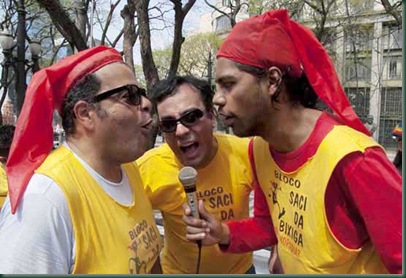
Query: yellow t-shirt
[[3, 185], [110, 238], [224, 185], [296, 202]]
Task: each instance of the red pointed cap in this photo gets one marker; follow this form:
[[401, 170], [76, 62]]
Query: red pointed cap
[[273, 39], [33, 137]]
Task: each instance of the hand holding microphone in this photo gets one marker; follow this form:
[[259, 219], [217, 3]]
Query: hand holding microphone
[[208, 229]]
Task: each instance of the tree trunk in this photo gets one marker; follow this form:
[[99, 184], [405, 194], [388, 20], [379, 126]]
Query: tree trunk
[[80, 16], [63, 23], [130, 35], [180, 14], [144, 34]]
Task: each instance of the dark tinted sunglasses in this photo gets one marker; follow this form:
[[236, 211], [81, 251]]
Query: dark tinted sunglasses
[[132, 94], [187, 119]]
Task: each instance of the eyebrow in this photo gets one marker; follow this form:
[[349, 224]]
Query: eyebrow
[[225, 78]]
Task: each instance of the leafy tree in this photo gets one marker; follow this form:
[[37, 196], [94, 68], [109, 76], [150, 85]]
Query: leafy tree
[[197, 56]]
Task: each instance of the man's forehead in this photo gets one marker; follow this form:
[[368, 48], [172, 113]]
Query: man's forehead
[[115, 75], [226, 70]]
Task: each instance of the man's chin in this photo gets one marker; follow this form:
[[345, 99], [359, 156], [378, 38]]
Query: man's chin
[[241, 132]]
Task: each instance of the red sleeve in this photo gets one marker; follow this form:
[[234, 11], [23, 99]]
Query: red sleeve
[[256, 232], [374, 188]]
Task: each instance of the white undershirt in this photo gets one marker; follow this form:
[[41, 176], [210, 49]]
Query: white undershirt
[[39, 238]]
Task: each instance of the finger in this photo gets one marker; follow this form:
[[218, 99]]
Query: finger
[[194, 222], [204, 214], [186, 209], [195, 230], [194, 237], [202, 210]]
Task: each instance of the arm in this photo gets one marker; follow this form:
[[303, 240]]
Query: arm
[[274, 263], [242, 232], [375, 188], [37, 239], [156, 268], [234, 236]]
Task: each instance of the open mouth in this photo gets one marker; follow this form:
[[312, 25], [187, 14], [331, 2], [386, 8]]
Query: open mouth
[[147, 125], [189, 148]]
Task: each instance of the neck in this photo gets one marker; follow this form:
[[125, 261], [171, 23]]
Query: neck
[[288, 129], [90, 153]]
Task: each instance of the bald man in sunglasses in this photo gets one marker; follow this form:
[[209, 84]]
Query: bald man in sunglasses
[[224, 180], [80, 209]]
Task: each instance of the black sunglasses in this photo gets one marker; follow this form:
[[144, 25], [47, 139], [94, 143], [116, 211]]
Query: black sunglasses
[[187, 119], [132, 96]]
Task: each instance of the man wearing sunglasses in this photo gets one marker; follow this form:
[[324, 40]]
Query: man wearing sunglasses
[[224, 181], [80, 208]]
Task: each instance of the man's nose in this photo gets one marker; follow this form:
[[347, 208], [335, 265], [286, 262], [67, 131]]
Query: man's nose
[[181, 129], [219, 99]]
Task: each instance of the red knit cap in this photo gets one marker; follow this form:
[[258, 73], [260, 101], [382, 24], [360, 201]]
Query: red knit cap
[[273, 39], [33, 137]]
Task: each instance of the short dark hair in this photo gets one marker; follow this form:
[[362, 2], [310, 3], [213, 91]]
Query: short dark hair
[[6, 138], [298, 88], [168, 86], [84, 89]]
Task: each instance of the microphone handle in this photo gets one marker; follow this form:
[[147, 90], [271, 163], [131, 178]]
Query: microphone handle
[[192, 202]]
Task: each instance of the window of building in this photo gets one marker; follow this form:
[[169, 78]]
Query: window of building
[[359, 99], [395, 37], [392, 38], [359, 40], [391, 113], [395, 68], [359, 69], [223, 24]]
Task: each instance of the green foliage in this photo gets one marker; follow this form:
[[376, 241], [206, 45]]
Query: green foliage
[[198, 53], [195, 56]]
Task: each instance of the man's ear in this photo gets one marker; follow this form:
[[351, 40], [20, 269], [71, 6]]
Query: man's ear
[[275, 79], [83, 112]]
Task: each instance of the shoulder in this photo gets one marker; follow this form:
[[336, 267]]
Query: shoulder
[[156, 155], [41, 228], [232, 143], [43, 198], [350, 138]]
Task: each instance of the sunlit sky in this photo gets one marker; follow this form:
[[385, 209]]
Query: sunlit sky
[[161, 36]]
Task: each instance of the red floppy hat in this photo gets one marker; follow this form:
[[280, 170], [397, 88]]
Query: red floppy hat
[[273, 39], [33, 137]]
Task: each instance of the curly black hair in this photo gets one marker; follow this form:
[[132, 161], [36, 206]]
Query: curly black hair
[[168, 86]]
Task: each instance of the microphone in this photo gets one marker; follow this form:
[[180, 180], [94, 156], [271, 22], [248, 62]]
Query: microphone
[[187, 176]]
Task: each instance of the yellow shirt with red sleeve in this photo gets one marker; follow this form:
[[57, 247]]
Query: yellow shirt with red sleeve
[[224, 185], [3, 185], [110, 237], [297, 205]]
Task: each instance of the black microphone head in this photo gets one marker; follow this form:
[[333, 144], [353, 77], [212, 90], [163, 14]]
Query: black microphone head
[[187, 176]]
